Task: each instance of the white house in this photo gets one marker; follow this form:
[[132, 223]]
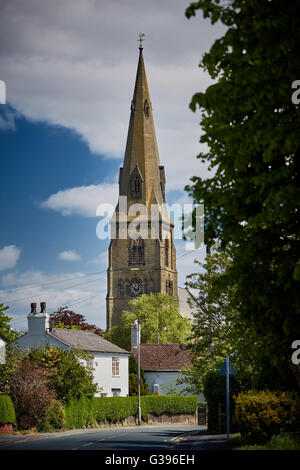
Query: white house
[[3, 343], [110, 363]]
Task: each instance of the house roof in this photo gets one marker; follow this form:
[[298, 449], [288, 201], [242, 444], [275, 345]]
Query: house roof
[[163, 357], [86, 340], [184, 308]]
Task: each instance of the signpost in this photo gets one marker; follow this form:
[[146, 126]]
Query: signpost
[[227, 369]]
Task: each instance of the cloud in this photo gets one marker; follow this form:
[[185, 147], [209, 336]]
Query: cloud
[[9, 256], [82, 200], [73, 63], [84, 294], [69, 255]]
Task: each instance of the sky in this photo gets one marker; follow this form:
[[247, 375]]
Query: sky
[[69, 67]]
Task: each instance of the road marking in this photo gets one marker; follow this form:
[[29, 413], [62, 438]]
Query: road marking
[[75, 448], [88, 444], [100, 440]]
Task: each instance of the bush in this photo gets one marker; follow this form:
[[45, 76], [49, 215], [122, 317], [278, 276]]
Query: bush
[[7, 411], [31, 394], [85, 412], [261, 415], [55, 417]]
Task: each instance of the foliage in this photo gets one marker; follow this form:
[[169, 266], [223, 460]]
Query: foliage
[[261, 415], [88, 413], [65, 318], [214, 390], [5, 329], [7, 411], [171, 390], [133, 377], [55, 417], [120, 336], [279, 442], [30, 393], [162, 321], [69, 377], [13, 357], [251, 127]]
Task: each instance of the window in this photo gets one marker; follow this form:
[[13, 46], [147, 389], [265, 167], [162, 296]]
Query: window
[[115, 367], [136, 252], [167, 251], [116, 392]]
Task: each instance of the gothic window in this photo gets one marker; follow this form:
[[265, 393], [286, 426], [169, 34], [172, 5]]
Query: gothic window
[[136, 187], [167, 251], [136, 252], [146, 109], [120, 288], [169, 287], [146, 291], [127, 288]]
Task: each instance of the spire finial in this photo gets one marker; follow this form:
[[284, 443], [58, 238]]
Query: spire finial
[[141, 39]]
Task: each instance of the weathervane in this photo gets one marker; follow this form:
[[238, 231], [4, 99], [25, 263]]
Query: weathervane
[[141, 39]]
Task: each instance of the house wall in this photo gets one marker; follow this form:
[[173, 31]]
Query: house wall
[[2, 351], [166, 378], [102, 365]]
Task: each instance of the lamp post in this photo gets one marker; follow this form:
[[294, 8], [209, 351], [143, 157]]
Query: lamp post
[[139, 372]]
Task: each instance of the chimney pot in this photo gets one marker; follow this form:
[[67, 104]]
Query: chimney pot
[[43, 307], [33, 307]]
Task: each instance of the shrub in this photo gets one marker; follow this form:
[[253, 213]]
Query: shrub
[[55, 417], [92, 412], [30, 394], [7, 411], [261, 415]]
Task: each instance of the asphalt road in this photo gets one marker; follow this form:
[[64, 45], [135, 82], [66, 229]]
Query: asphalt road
[[144, 438]]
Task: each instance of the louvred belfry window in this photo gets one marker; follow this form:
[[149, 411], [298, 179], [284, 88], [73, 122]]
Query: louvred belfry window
[[136, 252]]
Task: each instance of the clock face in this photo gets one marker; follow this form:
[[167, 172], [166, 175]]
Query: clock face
[[136, 287]]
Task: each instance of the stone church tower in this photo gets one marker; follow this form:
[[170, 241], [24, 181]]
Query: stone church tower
[[145, 261]]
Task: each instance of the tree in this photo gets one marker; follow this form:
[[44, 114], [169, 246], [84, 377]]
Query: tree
[[65, 318], [163, 322], [251, 127], [5, 328], [120, 336], [133, 377], [218, 330]]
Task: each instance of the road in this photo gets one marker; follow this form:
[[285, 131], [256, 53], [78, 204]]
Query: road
[[143, 438]]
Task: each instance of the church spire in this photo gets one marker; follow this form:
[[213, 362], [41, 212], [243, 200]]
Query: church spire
[[142, 178]]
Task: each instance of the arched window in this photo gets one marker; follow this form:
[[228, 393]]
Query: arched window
[[136, 252], [169, 286], [146, 291]]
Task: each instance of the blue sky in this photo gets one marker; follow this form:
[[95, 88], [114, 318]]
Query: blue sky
[[69, 75]]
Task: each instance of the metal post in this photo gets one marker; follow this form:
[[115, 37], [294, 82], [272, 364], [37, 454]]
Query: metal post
[[139, 373], [227, 399]]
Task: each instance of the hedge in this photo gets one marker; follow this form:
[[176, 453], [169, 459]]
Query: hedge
[[261, 415], [7, 411], [85, 412]]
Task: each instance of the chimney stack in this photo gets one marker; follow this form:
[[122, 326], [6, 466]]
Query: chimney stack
[[33, 307], [43, 307]]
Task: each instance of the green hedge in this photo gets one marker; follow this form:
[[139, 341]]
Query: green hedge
[[7, 411], [85, 413]]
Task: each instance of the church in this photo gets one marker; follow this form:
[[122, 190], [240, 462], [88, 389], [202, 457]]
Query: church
[[145, 261]]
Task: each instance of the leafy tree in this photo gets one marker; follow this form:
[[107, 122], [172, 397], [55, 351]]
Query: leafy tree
[[251, 127], [69, 376], [120, 336], [133, 377], [65, 318], [5, 329], [13, 357], [162, 322]]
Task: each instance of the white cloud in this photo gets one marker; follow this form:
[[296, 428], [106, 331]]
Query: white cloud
[[69, 255], [84, 294], [73, 63], [82, 200], [9, 256]]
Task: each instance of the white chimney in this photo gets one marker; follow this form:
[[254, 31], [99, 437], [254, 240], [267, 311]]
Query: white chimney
[[134, 335], [38, 323]]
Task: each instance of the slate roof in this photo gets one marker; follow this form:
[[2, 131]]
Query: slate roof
[[86, 340], [163, 357], [184, 308]]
